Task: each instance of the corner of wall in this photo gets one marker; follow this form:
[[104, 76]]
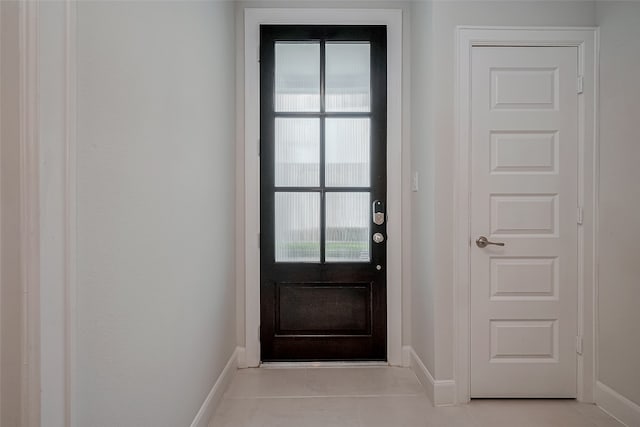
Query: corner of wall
[[616, 405], [213, 399], [242, 358], [406, 356], [439, 392]]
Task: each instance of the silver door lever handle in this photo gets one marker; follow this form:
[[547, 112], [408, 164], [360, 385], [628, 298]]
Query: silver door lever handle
[[483, 242]]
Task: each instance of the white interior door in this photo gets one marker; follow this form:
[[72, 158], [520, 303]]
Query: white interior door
[[524, 155]]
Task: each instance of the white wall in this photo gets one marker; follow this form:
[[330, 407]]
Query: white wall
[[10, 284], [422, 201], [619, 229], [155, 285], [433, 125]]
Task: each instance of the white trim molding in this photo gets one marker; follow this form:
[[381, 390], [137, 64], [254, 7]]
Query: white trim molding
[[253, 18], [52, 99], [242, 358], [213, 399], [440, 392], [585, 40], [29, 212], [1, 208], [70, 207], [616, 405], [406, 356]]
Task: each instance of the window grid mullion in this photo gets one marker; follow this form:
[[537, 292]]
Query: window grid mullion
[[323, 211]]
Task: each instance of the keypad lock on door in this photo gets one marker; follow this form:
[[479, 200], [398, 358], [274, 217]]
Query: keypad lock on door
[[378, 212]]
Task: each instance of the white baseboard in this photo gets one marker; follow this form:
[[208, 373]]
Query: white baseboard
[[242, 358], [423, 374], [440, 392], [214, 397], [616, 405], [406, 356]]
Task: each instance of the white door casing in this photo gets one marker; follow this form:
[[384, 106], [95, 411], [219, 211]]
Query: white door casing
[[524, 193], [253, 18], [585, 39]]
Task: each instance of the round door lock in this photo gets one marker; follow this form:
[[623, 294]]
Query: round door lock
[[378, 238]]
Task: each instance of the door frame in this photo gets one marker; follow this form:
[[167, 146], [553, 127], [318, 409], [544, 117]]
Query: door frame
[[585, 39], [253, 18]]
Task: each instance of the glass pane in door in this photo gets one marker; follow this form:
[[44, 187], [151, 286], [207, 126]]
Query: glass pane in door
[[297, 77], [347, 227], [297, 152], [297, 227], [348, 77], [347, 156]]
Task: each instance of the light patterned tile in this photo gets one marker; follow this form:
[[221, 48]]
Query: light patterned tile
[[378, 397], [234, 413], [527, 413], [306, 412], [269, 383], [409, 411], [597, 416], [369, 381]]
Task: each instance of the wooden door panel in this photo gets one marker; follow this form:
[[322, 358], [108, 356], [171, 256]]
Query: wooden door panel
[[323, 308]]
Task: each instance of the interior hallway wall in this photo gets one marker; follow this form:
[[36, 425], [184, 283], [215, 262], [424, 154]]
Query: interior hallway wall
[[619, 229], [155, 251]]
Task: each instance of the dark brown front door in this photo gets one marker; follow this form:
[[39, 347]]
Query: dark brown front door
[[323, 193]]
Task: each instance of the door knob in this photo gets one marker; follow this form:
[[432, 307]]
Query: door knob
[[483, 242]]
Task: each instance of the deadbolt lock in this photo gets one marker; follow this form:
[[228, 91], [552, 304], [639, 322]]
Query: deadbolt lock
[[378, 238]]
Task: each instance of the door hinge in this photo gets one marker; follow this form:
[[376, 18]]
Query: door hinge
[[579, 344], [259, 332], [259, 147], [580, 216], [259, 240], [580, 84]]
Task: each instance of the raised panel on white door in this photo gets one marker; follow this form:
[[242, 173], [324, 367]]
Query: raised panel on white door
[[517, 341], [523, 278], [524, 214], [524, 152], [526, 87]]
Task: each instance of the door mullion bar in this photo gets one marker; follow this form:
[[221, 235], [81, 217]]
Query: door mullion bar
[[311, 114], [322, 189], [322, 76], [323, 221], [323, 202]]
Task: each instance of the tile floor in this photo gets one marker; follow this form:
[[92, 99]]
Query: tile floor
[[377, 397]]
